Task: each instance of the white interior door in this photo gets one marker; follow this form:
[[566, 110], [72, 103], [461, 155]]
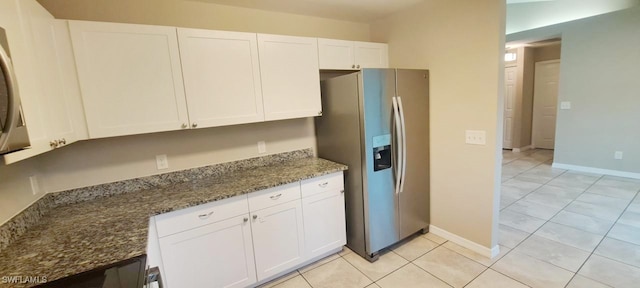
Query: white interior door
[[545, 101], [511, 76]]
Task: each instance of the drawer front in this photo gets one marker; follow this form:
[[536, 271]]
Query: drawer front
[[321, 184], [274, 196], [189, 218]]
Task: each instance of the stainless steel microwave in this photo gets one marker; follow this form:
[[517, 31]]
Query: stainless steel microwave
[[14, 131]]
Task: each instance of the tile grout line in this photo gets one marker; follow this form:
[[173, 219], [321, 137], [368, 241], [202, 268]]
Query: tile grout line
[[600, 242], [534, 190], [549, 220]]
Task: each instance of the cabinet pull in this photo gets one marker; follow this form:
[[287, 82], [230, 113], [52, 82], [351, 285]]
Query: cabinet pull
[[353, 66], [205, 216], [184, 125], [194, 125], [255, 217], [54, 144], [358, 67], [245, 219], [275, 197], [323, 185], [342, 191]]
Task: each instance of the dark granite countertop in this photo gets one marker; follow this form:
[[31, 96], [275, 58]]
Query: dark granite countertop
[[79, 237]]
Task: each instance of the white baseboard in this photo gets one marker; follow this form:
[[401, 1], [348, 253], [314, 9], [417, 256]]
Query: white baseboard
[[596, 170], [522, 149], [466, 243]]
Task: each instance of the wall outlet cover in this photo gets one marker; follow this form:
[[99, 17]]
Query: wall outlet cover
[[565, 105], [162, 162], [617, 155], [262, 147]]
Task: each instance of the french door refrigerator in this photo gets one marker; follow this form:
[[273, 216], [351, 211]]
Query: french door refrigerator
[[377, 122]]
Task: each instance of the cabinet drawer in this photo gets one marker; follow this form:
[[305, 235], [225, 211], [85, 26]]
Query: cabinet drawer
[[274, 196], [189, 218], [321, 184]]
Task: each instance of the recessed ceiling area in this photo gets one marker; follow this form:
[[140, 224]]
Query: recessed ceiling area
[[349, 10]]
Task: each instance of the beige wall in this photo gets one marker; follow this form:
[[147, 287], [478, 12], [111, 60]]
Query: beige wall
[[462, 44], [112, 159], [200, 14], [99, 161]]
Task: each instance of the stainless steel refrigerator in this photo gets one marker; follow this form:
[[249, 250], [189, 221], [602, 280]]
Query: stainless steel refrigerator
[[377, 122]]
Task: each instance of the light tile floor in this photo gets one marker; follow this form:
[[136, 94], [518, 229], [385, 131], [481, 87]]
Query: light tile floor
[[558, 228]]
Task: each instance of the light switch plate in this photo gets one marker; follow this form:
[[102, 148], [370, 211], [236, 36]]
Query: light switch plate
[[565, 105], [476, 137], [35, 187]]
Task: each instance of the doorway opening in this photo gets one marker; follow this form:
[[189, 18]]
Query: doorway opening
[[532, 75]]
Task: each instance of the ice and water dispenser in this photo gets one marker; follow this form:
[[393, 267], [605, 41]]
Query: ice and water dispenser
[[381, 152]]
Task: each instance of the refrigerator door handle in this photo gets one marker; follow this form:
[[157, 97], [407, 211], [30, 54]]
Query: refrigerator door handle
[[398, 129], [403, 166]]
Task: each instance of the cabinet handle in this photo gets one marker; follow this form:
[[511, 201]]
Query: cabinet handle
[[184, 125], [320, 113], [194, 125], [63, 141], [205, 216], [323, 185], [54, 144], [358, 67], [275, 197], [245, 219], [353, 66], [255, 217], [342, 191]]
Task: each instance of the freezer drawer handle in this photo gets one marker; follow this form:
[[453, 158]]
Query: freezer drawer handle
[[323, 185], [276, 197], [205, 216]]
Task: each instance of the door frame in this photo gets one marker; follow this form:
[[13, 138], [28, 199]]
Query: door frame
[[533, 114]]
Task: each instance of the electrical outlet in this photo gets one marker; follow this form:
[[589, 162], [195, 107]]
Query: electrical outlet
[[262, 147], [162, 162], [565, 105], [35, 187], [476, 137], [617, 155]]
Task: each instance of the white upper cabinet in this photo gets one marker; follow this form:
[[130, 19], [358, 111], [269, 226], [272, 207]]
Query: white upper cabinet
[[50, 93], [349, 55], [130, 78], [290, 76], [221, 77]]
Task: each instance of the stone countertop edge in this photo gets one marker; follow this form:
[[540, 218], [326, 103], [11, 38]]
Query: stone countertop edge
[[67, 242]]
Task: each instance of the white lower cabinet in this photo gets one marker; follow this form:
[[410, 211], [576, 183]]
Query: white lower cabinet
[[278, 238], [247, 240], [324, 222], [215, 255]]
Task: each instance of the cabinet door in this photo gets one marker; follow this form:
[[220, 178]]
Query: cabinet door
[[371, 55], [290, 76], [336, 54], [221, 77], [54, 112], [278, 238], [324, 222], [216, 255], [130, 78]]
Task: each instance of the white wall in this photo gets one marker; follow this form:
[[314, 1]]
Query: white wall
[[100, 161], [526, 16], [462, 44]]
